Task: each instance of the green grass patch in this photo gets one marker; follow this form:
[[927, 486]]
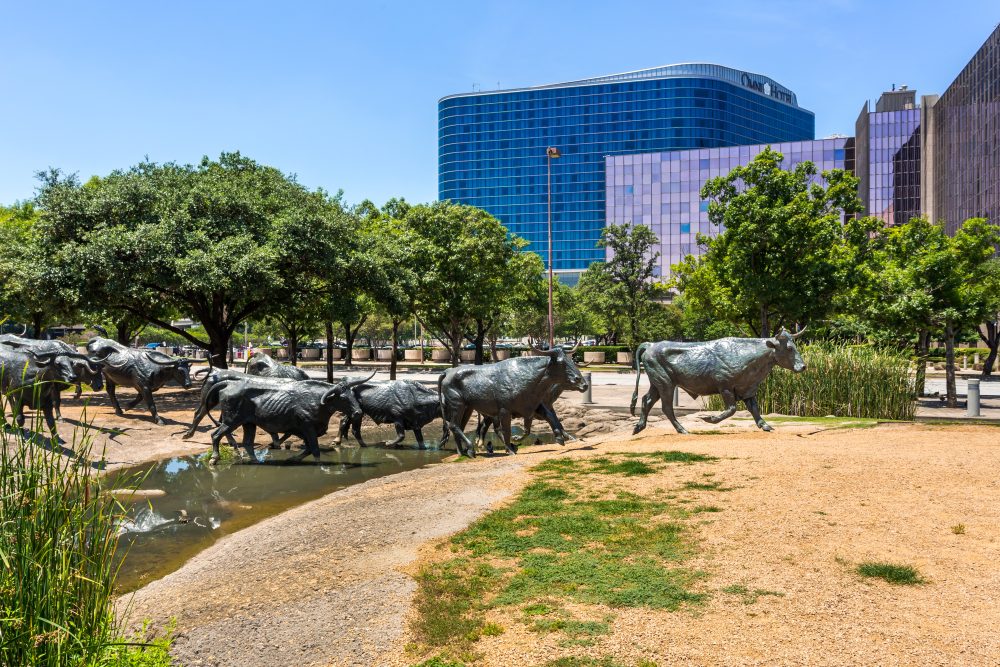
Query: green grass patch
[[705, 486], [750, 596], [440, 661], [698, 509], [902, 575], [628, 468], [672, 456], [605, 661], [447, 592]]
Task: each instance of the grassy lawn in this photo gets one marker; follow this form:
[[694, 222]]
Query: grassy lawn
[[576, 537]]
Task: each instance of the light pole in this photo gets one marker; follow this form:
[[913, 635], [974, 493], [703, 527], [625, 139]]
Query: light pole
[[551, 153]]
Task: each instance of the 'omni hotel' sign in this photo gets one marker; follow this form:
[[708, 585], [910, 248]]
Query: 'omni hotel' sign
[[766, 88]]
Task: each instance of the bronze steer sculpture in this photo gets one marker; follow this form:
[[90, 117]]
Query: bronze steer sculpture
[[504, 390], [405, 404], [264, 366], [27, 378], [730, 367], [84, 370], [143, 370], [299, 408], [216, 375]]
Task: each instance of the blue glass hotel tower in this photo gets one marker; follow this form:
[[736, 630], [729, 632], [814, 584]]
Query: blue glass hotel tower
[[491, 145]]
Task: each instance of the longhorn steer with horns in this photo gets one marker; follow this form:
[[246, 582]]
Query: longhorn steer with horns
[[730, 367], [143, 370], [300, 408], [84, 370], [263, 365], [27, 377], [507, 389]]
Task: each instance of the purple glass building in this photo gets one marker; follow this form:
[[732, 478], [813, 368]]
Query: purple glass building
[[662, 190]]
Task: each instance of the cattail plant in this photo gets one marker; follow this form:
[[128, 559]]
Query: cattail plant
[[58, 539]]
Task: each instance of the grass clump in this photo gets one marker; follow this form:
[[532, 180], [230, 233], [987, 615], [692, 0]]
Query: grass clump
[[673, 456], [958, 529], [902, 575], [750, 596], [59, 525], [841, 380], [448, 592], [705, 486], [605, 661], [628, 468], [440, 661]]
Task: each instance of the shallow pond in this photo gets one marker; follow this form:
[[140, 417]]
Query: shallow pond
[[200, 503]]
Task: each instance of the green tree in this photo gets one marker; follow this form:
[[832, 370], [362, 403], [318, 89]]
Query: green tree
[[216, 241], [605, 301], [464, 255], [779, 256]]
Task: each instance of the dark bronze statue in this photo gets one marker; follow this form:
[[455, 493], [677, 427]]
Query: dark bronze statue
[[213, 377], [143, 370], [406, 404], [300, 408], [263, 365], [730, 367], [28, 378], [505, 390], [84, 370]]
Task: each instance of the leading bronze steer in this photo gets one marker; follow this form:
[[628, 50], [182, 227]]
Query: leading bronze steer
[[509, 388], [84, 370], [730, 367]]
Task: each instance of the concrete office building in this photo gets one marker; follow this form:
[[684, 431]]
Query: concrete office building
[[492, 144]]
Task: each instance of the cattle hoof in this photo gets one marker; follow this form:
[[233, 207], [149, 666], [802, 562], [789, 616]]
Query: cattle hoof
[[682, 430], [489, 448], [764, 426], [512, 449], [638, 429]]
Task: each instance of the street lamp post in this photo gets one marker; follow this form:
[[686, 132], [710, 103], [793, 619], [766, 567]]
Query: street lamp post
[[551, 153]]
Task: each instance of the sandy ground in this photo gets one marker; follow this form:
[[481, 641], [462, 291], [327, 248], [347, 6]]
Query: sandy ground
[[325, 583]]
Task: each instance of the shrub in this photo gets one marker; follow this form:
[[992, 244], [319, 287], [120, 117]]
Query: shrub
[[58, 540], [840, 380]]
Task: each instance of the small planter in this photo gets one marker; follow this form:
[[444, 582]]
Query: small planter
[[438, 354], [383, 355], [413, 355], [335, 353], [361, 354], [468, 356], [624, 358], [501, 355], [82, 349], [593, 357], [165, 350], [310, 353], [282, 352]]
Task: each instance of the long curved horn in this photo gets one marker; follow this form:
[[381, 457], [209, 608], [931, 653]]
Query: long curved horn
[[42, 358], [548, 353], [799, 332], [107, 360], [355, 383], [24, 329], [584, 364], [169, 361], [573, 349]]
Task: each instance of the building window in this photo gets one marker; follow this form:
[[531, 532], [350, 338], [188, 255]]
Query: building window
[[703, 207], [685, 228], [629, 189]]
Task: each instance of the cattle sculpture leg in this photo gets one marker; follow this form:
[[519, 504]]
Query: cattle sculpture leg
[[730, 401], [224, 429], [457, 421], [109, 385], [648, 401], [400, 434], [249, 433], [418, 434], [147, 393], [755, 411], [356, 429], [312, 445]]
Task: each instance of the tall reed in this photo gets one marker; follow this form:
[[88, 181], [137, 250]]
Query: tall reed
[[58, 536], [840, 380]]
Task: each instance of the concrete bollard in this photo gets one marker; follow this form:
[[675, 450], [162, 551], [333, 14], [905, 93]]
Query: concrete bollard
[[677, 396], [965, 362], [972, 399], [588, 396]]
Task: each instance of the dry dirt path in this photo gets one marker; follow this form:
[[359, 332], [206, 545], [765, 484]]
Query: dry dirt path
[[323, 584]]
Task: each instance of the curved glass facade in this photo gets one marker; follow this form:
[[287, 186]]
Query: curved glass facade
[[491, 145]]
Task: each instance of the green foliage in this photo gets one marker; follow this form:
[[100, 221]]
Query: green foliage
[[58, 538], [780, 258], [440, 661], [449, 592], [903, 575], [843, 381]]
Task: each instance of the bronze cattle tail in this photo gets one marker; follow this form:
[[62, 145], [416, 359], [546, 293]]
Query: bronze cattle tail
[[143, 370], [730, 367]]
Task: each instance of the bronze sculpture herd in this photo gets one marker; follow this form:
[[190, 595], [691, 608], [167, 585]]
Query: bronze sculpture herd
[[284, 402]]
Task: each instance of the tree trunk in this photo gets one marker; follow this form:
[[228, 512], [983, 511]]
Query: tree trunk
[[765, 323], [949, 361], [455, 335], [923, 346], [480, 338], [349, 339], [395, 348], [37, 320], [992, 340], [123, 334], [218, 346], [329, 352], [493, 348], [293, 346]]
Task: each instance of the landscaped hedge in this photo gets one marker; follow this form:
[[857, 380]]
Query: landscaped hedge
[[840, 380]]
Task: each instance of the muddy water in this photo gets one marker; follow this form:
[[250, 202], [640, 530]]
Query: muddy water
[[200, 504]]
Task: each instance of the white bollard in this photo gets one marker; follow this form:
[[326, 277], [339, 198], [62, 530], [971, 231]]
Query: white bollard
[[972, 399]]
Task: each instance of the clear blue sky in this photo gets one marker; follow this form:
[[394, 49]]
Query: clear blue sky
[[345, 94]]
